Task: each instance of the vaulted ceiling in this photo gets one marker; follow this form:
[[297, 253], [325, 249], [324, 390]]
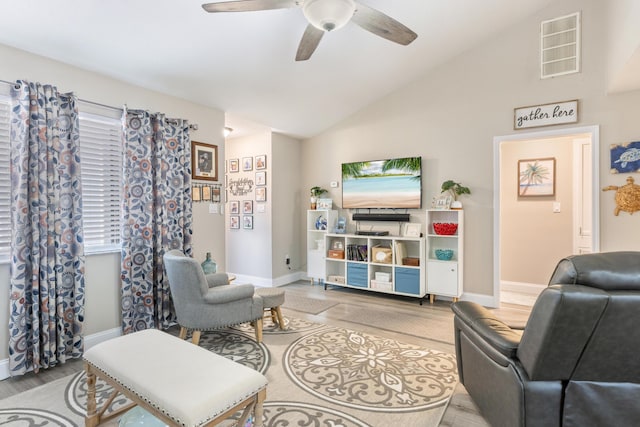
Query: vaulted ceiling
[[243, 63]]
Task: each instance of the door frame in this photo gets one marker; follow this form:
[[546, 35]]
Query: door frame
[[594, 131]]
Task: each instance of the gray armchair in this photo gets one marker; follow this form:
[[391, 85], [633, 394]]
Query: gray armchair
[[577, 361], [207, 302]]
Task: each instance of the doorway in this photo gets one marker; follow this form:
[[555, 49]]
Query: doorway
[[531, 233]]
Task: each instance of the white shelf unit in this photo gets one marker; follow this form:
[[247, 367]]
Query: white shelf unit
[[363, 273], [316, 240], [444, 277]]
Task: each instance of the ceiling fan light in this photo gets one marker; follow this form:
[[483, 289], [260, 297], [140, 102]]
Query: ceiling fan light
[[328, 15]]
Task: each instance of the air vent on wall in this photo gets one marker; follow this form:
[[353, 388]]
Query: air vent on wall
[[560, 46]]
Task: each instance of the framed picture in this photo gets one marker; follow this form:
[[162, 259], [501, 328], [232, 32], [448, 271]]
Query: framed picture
[[441, 202], [195, 193], [234, 207], [324, 204], [412, 229], [234, 222], [247, 222], [261, 194], [537, 177], [625, 158], [234, 165], [204, 161], [261, 178], [247, 164], [247, 207], [206, 193], [261, 162]]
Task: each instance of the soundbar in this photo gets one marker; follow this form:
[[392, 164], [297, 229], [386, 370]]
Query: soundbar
[[372, 233], [381, 217]]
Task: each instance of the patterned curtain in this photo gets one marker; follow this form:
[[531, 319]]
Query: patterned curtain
[[47, 251], [156, 215]]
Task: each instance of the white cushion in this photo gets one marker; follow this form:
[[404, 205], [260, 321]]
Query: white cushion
[[189, 384]]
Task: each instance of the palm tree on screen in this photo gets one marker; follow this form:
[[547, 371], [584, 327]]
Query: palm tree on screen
[[409, 164], [353, 170]]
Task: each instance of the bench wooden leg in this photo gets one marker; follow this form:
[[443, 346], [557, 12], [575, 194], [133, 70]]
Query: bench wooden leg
[[258, 413], [273, 315], [92, 419], [258, 326]]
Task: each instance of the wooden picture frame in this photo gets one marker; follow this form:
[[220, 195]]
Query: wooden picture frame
[[204, 161], [537, 177]]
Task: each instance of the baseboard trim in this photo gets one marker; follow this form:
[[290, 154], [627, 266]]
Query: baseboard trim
[[522, 287], [89, 341], [485, 300]]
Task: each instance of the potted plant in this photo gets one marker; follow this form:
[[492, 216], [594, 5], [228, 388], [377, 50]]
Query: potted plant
[[315, 193], [455, 189]]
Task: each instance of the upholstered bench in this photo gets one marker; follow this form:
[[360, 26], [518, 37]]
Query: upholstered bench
[[272, 299], [178, 382]]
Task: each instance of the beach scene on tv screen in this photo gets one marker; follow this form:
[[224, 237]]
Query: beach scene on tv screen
[[393, 183]]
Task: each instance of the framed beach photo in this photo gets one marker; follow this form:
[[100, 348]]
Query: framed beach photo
[[537, 177], [204, 161]]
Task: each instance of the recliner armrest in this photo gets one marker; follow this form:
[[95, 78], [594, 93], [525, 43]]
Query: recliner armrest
[[228, 293], [493, 331]]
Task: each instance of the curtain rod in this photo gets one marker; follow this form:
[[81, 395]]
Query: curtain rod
[[193, 126]]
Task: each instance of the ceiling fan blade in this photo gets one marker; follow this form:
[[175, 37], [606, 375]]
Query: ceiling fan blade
[[310, 40], [248, 5], [382, 25]]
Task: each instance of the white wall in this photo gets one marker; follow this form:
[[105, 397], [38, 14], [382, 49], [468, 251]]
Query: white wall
[[103, 271], [450, 116], [249, 251], [287, 193]]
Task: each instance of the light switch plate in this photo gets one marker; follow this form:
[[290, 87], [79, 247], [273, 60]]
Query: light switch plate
[[213, 208], [556, 207]]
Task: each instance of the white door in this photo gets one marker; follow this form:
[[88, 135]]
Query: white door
[[582, 196]]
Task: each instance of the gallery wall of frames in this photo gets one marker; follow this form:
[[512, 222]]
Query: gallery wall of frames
[[246, 189]]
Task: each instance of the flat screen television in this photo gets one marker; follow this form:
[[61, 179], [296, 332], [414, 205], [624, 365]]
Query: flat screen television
[[380, 184]]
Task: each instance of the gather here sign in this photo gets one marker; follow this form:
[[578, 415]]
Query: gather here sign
[[556, 113]]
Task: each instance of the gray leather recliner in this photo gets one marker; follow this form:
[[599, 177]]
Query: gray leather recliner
[[577, 361]]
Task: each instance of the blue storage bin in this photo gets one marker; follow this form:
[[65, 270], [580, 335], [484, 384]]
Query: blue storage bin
[[408, 280], [357, 275]]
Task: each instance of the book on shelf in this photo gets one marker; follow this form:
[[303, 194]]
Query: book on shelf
[[357, 252]]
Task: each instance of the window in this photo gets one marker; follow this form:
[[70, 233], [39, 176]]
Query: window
[[101, 169], [5, 179], [101, 166]]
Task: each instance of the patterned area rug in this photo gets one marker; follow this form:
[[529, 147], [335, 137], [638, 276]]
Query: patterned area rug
[[318, 376]]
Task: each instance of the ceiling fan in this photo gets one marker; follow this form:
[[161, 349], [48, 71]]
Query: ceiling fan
[[324, 16]]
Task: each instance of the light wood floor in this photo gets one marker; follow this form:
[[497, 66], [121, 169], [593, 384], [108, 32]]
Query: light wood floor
[[401, 318]]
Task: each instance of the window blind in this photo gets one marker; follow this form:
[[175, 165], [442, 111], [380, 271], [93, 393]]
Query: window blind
[[101, 168]]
